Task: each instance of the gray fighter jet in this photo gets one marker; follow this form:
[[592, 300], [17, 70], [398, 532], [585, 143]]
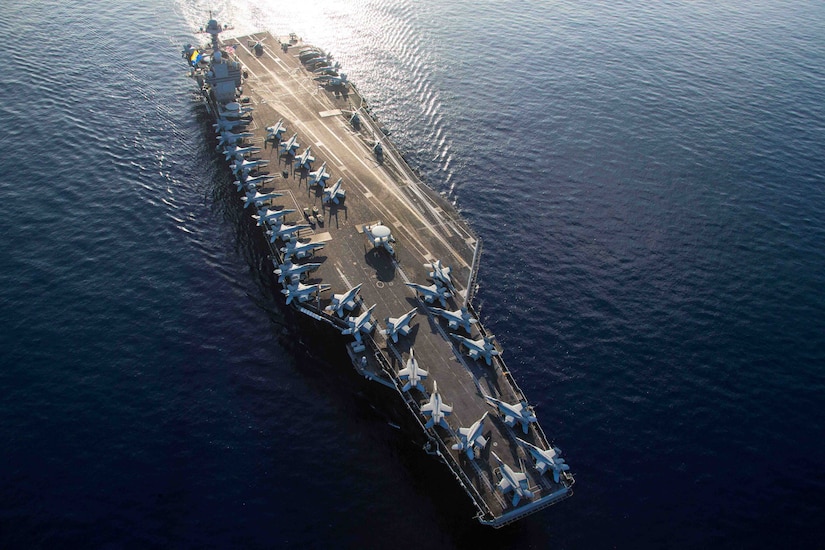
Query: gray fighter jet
[[398, 325], [305, 159], [457, 318], [517, 412], [289, 271], [345, 301], [335, 193], [431, 293], [471, 440], [319, 176], [437, 410], [265, 215], [546, 460], [359, 324], [413, 374], [513, 481], [483, 347], [289, 147], [259, 199], [302, 292], [300, 250]]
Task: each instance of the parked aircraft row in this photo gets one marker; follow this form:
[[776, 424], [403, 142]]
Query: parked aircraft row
[[322, 65], [238, 154], [333, 194], [442, 289], [471, 440]]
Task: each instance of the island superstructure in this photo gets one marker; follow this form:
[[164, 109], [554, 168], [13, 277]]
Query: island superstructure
[[360, 244]]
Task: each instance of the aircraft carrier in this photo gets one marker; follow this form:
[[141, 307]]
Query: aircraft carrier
[[359, 243]]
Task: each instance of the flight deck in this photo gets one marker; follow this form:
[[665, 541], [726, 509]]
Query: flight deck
[[361, 244]]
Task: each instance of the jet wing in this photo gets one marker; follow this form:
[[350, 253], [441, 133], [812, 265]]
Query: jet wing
[[505, 485]]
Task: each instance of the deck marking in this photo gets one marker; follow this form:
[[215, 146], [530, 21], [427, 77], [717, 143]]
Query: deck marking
[[343, 277]]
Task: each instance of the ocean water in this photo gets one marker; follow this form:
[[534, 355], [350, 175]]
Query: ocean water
[[649, 182]]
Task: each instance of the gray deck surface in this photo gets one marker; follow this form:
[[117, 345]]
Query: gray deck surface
[[425, 226]]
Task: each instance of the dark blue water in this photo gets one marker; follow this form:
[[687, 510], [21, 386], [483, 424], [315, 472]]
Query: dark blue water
[[649, 182]]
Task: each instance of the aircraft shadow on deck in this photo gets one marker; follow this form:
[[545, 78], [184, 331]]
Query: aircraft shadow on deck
[[332, 211], [405, 344], [383, 265]]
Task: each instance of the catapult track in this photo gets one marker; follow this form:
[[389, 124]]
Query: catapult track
[[425, 228]]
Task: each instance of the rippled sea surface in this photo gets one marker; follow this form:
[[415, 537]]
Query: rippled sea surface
[[649, 182]]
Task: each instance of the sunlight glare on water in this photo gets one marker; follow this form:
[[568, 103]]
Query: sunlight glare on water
[[649, 183]]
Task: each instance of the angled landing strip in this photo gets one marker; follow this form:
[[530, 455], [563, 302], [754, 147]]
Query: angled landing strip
[[387, 231]]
